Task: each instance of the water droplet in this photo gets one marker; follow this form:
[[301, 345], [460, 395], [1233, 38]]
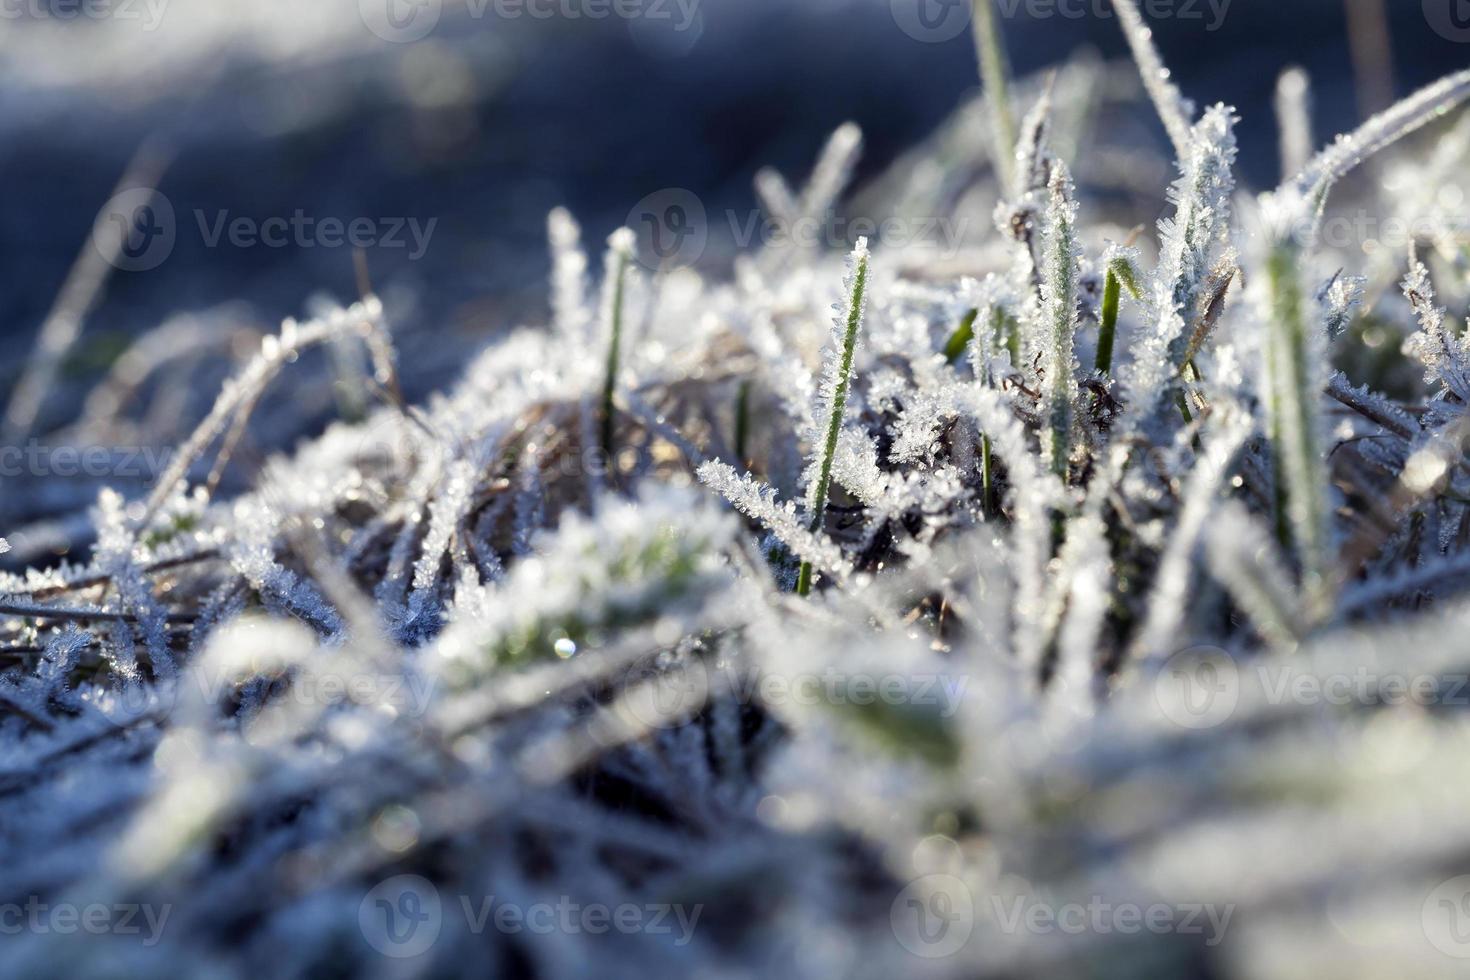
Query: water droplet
[[565, 648]]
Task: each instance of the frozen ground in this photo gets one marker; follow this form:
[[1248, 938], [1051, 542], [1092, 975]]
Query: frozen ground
[[833, 608]]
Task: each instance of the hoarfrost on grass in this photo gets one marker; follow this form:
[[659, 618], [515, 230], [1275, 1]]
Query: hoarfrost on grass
[[704, 593]]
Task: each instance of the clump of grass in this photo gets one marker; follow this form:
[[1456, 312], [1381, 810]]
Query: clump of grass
[[433, 627]]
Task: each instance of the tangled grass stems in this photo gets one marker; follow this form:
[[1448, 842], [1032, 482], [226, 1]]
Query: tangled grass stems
[[601, 671]]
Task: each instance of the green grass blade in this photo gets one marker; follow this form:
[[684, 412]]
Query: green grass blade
[[995, 75], [619, 257], [840, 382]]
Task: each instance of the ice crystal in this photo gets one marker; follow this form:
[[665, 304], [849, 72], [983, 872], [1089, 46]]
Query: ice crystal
[[1443, 352]]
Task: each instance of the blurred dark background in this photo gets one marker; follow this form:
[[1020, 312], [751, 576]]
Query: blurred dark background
[[491, 120]]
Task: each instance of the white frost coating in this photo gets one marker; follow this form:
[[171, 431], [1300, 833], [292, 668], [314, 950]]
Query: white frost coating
[[1173, 108], [830, 404], [1339, 301], [1035, 492], [1194, 242], [116, 552], [1169, 601], [1087, 569], [536, 617], [364, 319], [1383, 130], [1244, 559], [833, 171], [253, 557], [1060, 274], [758, 501], [1445, 354], [570, 314], [1033, 148], [1294, 120], [777, 197]]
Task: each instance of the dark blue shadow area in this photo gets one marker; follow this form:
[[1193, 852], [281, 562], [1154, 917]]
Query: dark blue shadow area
[[590, 115]]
